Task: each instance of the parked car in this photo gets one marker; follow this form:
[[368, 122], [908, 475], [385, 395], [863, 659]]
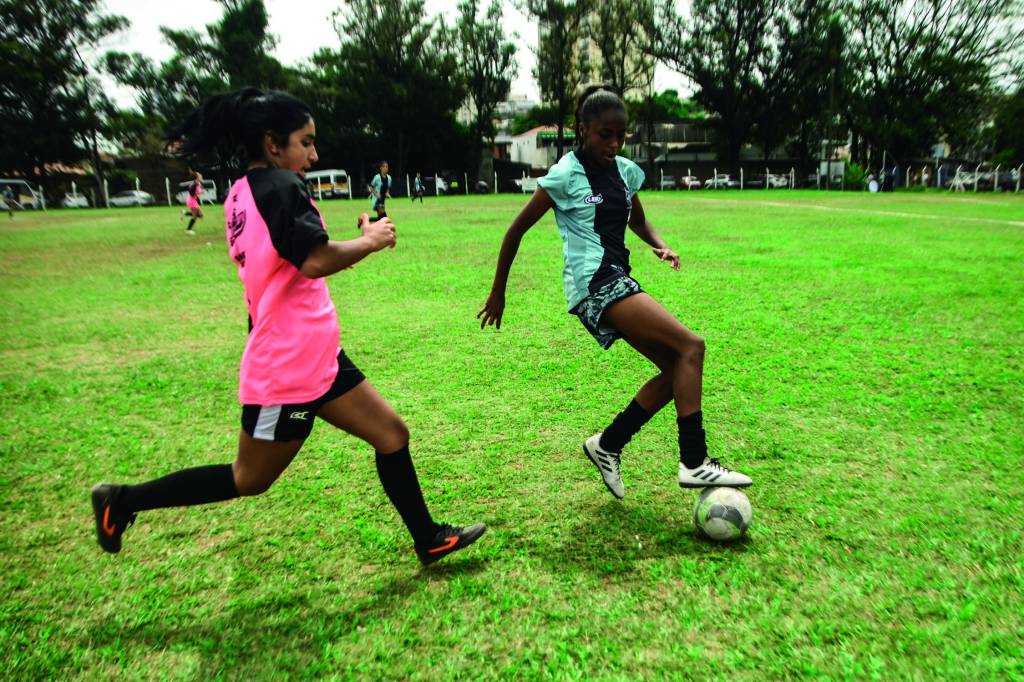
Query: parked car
[[74, 201], [482, 187], [721, 181], [775, 180], [690, 182], [667, 182], [132, 197]]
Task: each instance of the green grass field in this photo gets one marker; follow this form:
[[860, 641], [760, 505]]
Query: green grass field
[[864, 366]]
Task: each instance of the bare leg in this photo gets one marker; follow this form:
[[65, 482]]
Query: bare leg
[[260, 462], [660, 337]]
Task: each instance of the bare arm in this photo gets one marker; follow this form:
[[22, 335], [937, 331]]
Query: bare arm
[[329, 257], [642, 227], [536, 207]]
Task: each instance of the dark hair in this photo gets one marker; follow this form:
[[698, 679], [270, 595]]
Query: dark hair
[[228, 129], [594, 101]]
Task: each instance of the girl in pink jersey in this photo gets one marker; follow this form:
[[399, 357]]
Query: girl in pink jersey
[[293, 369], [195, 193]]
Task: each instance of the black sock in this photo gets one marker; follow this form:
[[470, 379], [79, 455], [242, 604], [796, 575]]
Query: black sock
[[398, 476], [199, 485], [692, 446], [624, 427], [190, 224]]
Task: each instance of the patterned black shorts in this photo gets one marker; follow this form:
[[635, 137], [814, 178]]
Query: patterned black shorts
[[590, 309]]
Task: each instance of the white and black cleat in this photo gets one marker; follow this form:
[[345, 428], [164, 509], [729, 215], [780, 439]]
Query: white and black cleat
[[710, 473], [607, 463]]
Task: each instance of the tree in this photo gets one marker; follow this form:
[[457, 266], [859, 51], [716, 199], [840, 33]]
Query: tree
[[719, 48], [626, 63], [558, 69], [234, 53], [928, 69], [801, 74], [402, 69], [487, 63], [49, 105]]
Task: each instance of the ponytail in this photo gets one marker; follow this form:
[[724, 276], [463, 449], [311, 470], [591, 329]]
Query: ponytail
[[228, 129]]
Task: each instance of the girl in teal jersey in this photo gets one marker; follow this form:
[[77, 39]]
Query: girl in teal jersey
[[594, 194]]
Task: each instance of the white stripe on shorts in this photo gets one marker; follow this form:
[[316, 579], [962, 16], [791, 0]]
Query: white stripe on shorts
[[266, 423]]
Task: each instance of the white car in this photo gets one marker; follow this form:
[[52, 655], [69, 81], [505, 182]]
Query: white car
[[74, 201], [207, 197], [690, 182], [132, 197]]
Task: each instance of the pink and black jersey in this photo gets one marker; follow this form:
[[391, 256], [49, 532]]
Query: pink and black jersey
[[195, 190], [292, 352]]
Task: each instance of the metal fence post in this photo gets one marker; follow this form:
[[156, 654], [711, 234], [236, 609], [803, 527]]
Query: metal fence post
[[995, 179], [167, 188]]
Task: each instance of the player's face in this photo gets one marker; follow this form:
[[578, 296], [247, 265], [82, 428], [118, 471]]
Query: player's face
[[384, 168], [604, 135], [300, 153]]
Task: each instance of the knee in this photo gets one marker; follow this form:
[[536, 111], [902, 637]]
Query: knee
[[249, 483], [394, 437], [690, 349]]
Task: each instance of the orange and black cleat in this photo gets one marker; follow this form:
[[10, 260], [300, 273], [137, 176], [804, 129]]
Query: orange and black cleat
[[110, 521], [449, 539]]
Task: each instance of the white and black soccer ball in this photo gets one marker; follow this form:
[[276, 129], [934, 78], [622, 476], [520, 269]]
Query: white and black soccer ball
[[722, 513]]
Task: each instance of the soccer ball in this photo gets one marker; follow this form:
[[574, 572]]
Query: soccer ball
[[722, 513]]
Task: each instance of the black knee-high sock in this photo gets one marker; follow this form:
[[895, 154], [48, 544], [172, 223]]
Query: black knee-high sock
[[190, 224], [624, 427], [199, 485], [398, 476], [693, 447]]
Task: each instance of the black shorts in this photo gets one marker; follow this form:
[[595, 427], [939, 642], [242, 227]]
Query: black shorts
[[295, 422]]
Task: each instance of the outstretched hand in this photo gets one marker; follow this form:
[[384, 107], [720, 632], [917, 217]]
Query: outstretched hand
[[492, 311], [669, 255]]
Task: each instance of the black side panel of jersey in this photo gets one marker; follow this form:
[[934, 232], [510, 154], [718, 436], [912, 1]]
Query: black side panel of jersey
[[193, 188], [385, 186], [286, 207], [610, 218]]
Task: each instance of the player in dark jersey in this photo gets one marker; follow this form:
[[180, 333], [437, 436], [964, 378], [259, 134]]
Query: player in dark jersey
[[293, 369], [593, 191], [380, 190]]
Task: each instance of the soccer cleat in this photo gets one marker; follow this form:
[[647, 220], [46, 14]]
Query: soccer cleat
[[711, 473], [607, 464], [190, 233], [110, 521], [449, 539]]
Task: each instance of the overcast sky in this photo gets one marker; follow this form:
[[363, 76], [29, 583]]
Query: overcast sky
[[301, 26]]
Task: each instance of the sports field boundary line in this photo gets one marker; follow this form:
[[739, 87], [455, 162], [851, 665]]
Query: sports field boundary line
[[895, 214]]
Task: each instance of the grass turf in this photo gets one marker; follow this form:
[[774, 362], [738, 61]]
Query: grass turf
[[864, 367]]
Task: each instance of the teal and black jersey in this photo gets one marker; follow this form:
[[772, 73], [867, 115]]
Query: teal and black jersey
[[592, 207]]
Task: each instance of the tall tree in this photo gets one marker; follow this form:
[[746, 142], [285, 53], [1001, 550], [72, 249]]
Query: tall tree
[[719, 47], [233, 53], [626, 62], [801, 75], [402, 68], [558, 70], [49, 103], [487, 62], [929, 68]]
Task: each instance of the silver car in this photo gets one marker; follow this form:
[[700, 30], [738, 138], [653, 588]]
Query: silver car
[[132, 197]]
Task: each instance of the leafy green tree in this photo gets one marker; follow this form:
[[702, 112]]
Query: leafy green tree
[[49, 104], [1008, 128], [927, 69], [233, 53], [401, 68], [558, 70], [487, 63], [719, 47], [626, 62]]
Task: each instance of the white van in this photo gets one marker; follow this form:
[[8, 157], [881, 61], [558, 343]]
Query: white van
[[332, 182], [24, 194], [209, 195]]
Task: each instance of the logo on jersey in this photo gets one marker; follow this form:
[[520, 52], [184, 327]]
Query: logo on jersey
[[594, 199], [235, 226], [299, 415]]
